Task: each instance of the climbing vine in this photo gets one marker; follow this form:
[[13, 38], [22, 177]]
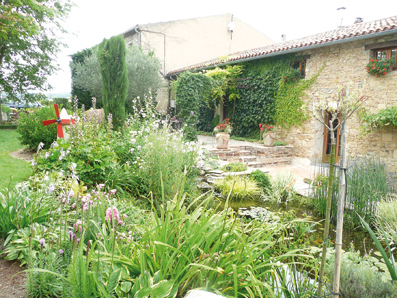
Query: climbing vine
[[264, 91], [384, 117], [192, 89], [290, 109]]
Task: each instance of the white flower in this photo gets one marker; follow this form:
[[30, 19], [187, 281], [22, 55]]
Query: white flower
[[50, 188], [132, 150], [46, 178], [41, 145], [47, 154]]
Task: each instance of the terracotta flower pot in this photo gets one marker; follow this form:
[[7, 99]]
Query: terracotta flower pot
[[222, 140], [268, 139]]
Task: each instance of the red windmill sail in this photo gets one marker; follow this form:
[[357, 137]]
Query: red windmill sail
[[58, 121]]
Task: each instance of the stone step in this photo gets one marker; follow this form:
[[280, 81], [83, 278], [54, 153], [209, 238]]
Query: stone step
[[247, 158], [260, 162]]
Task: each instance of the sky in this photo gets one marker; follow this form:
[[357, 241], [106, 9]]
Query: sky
[[90, 21]]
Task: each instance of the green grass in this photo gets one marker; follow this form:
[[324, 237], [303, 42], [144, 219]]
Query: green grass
[[12, 170]]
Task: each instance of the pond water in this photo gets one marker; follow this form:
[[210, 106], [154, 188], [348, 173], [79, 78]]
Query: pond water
[[360, 238]]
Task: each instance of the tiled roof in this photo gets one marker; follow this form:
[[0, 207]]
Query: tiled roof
[[359, 29]]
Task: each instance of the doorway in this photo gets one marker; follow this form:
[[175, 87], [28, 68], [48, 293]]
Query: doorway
[[327, 139]]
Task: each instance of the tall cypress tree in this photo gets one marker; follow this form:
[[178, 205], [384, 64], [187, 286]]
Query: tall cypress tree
[[112, 58]]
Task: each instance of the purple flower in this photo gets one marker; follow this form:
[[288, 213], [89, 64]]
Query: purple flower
[[191, 113], [61, 252], [42, 241], [70, 235]]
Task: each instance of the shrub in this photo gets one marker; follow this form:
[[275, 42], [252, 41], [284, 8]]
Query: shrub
[[386, 217], [263, 180], [360, 278], [234, 167], [22, 206], [282, 187], [239, 187], [63, 102], [166, 159], [112, 59], [33, 132]]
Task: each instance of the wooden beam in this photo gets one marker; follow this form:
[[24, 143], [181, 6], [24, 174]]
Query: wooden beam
[[381, 45]]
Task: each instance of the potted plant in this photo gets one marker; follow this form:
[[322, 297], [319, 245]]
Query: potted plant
[[267, 133], [378, 68], [222, 136]]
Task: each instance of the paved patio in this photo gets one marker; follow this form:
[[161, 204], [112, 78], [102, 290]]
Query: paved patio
[[301, 167]]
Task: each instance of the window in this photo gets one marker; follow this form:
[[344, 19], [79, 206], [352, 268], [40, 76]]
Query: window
[[301, 65], [388, 53]]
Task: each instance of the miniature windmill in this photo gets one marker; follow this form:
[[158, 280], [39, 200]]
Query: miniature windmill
[[61, 123]]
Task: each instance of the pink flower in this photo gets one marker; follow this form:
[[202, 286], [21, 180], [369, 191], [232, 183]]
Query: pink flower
[[113, 191], [78, 226], [100, 186], [109, 214]]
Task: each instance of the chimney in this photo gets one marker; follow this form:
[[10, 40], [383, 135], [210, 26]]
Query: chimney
[[358, 20], [283, 37]]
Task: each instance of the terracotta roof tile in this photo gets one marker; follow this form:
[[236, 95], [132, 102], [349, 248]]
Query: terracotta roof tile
[[359, 29]]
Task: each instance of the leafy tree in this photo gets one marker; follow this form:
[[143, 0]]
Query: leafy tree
[[82, 60], [115, 78], [28, 44], [143, 76]]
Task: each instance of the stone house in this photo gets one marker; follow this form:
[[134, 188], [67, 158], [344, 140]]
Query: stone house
[[185, 42], [344, 52]]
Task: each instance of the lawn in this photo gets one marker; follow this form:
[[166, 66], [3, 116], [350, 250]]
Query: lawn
[[12, 170]]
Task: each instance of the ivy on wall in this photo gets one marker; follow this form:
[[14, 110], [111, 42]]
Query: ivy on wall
[[264, 91], [290, 108], [191, 91], [385, 117]]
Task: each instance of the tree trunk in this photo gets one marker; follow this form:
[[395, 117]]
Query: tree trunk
[[328, 211], [341, 205]]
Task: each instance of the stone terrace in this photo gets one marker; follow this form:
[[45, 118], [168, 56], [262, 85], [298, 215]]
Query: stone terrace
[[256, 155]]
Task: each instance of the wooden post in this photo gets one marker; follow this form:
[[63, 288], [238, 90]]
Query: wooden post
[[341, 206], [328, 210]]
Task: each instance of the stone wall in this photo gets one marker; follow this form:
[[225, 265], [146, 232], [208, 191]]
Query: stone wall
[[346, 63]]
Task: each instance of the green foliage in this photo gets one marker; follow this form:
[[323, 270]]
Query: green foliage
[[112, 58], [279, 144], [236, 188], [84, 96], [222, 253], [282, 187], [360, 278], [257, 104], [8, 126], [290, 109], [63, 103], [367, 184], [5, 109], [33, 132], [94, 159], [191, 91], [384, 117], [389, 262], [22, 206], [167, 164], [234, 167], [385, 219], [207, 120], [263, 180], [29, 44], [224, 83], [143, 76]]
